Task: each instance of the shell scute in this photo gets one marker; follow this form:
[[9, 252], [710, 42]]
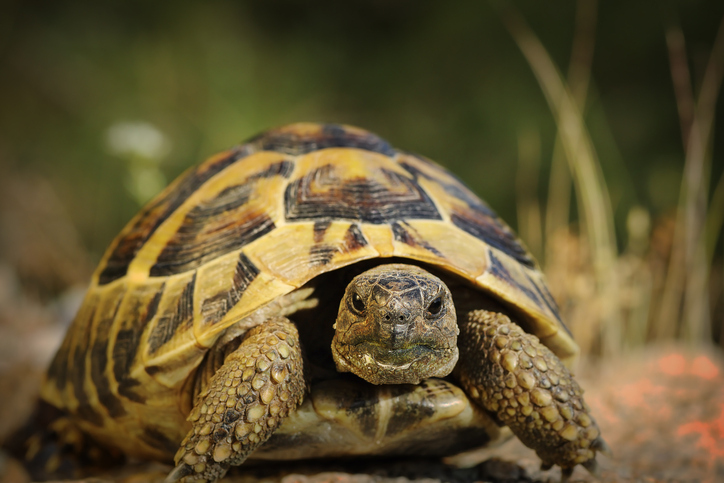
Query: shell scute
[[144, 225], [465, 210], [226, 214], [302, 138], [353, 184]]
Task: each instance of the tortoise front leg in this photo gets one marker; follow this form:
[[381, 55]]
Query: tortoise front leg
[[258, 385], [511, 374]]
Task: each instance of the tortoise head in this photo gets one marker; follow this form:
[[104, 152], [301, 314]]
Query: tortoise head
[[396, 325]]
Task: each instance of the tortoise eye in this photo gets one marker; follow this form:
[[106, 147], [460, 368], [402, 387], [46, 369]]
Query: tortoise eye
[[435, 307], [357, 303]]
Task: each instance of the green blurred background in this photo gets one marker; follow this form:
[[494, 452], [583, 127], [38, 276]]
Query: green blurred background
[[102, 103]]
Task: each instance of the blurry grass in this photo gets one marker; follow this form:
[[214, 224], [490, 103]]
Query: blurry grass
[[687, 283], [591, 190], [620, 302]]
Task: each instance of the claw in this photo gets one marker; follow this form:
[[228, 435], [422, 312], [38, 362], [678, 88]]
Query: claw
[[545, 466], [592, 467], [181, 471], [600, 445], [566, 474]]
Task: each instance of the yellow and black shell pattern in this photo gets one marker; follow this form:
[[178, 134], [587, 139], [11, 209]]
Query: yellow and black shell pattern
[[250, 225]]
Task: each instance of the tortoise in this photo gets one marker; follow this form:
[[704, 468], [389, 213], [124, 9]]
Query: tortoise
[[315, 292]]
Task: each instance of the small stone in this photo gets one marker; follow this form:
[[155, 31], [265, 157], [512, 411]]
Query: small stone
[[222, 452], [540, 397]]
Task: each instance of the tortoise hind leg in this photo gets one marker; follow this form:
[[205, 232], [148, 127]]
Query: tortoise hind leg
[[258, 385], [51, 446], [512, 375]]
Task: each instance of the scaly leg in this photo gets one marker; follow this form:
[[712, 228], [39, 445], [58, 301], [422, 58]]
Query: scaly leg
[[512, 375], [258, 385]]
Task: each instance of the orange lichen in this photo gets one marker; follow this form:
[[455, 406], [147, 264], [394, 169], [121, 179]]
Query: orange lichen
[[711, 437], [673, 364], [637, 393], [704, 368]]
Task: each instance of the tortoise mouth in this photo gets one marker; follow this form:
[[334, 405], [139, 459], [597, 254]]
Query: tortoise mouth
[[380, 364], [401, 357]]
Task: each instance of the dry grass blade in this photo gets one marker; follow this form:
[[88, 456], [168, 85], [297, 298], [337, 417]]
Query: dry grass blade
[[591, 191], [579, 75], [688, 273]]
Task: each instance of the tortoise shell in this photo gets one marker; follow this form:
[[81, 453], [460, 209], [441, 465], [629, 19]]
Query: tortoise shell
[[243, 229]]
